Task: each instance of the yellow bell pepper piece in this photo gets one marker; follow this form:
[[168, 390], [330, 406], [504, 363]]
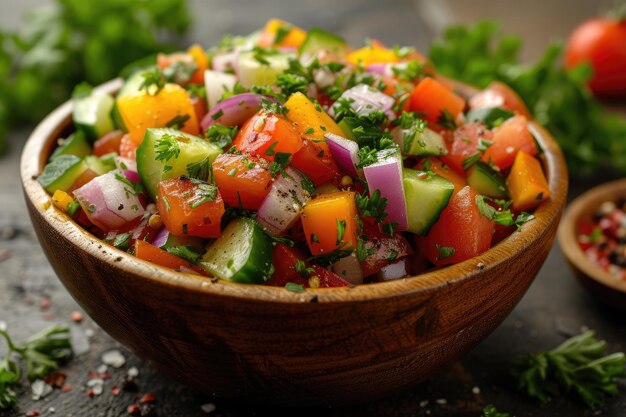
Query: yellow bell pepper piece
[[202, 62], [293, 38], [325, 217], [61, 200], [310, 119], [374, 54], [142, 110], [527, 183]]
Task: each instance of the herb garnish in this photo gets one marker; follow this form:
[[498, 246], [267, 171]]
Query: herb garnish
[[188, 253], [293, 287], [166, 147], [153, 81], [178, 122], [373, 206], [444, 252]]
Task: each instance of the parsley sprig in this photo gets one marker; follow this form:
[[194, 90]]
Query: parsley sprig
[[42, 353], [166, 148], [492, 411], [579, 366]]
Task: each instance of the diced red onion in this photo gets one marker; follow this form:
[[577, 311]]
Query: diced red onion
[[161, 237], [349, 268], [284, 203], [366, 99], [124, 164], [234, 111], [216, 84], [108, 201], [344, 152], [386, 176], [378, 68], [132, 176]]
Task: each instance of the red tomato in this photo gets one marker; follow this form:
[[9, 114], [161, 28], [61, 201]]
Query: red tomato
[[508, 139], [316, 162], [460, 233], [602, 43], [498, 94], [199, 106], [242, 179], [432, 98], [190, 207], [387, 248], [128, 148], [108, 143], [464, 144], [329, 279], [265, 135], [284, 260]]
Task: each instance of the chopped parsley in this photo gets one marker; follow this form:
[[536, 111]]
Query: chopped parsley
[[373, 206], [341, 230], [270, 151], [444, 252], [122, 241], [446, 119], [166, 147], [153, 81], [293, 287], [178, 122], [199, 169], [188, 253], [302, 269], [220, 135]]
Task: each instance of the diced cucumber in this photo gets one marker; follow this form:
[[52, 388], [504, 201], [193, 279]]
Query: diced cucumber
[[420, 142], [347, 127], [98, 165], [243, 253], [193, 241], [318, 39], [92, 114], [261, 70], [427, 194], [491, 117], [61, 172], [192, 150], [76, 144], [361, 135], [487, 181]]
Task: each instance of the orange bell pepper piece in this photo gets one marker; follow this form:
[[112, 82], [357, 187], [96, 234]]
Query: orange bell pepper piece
[[292, 38], [527, 183], [149, 252], [329, 222], [62, 200], [142, 110], [311, 120], [202, 62]]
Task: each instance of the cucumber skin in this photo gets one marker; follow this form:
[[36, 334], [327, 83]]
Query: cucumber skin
[[239, 235], [482, 178], [84, 109], [60, 173], [76, 144], [425, 199], [317, 39], [151, 171]]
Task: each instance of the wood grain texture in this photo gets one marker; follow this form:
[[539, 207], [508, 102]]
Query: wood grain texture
[[332, 346], [600, 283]]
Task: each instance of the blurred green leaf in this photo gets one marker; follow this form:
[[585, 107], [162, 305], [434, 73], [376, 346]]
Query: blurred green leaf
[[73, 41]]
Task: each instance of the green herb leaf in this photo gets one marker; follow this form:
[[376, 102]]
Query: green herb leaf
[[341, 230], [373, 206], [293, 287], [166, 148], [188, 253], [579, 367], [178, 122], [153, 81], [491, 411], [444, 252]]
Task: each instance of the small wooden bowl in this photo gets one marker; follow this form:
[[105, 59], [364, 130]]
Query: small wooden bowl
[[266, 344], [600, 283]]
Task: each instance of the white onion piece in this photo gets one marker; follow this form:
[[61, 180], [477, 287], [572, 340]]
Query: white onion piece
[[284, 203], [386, 176], [344, 152], [225, 62], [216, 84], [108, 201], [366, 99], [125, 164], [399, 269], [349, 268]]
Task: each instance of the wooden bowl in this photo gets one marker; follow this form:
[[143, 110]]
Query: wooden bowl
[[266, 344], [600, 283]]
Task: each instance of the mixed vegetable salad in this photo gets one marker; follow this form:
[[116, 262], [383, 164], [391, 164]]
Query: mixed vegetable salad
[[290, 159]]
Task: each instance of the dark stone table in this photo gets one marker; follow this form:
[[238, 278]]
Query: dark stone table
[[554, 308]]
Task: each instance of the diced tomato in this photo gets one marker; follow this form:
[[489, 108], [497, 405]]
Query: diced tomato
[[151, 253], [460, 233], [108, 143], [195, 59], [199, 106], [139, 229], [400, 90], [128, 147], [202, 64], [243, 180], [386, 248], [501, 233], [190, 207], [432, 98], [465, 141], [498, 94], [284, 260], [508, 139], [329, 279], [266, 134], [316, 162]]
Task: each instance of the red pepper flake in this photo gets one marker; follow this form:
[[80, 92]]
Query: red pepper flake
[[90, 393], [147, 398], [115, 391], [32, 413], [134, 410], [67, 388], [77, 316], [45, 303], [57, 379]]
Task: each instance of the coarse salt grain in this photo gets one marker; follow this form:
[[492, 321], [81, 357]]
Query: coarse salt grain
[[423, 403], [39, 389], [207, 408], [114, 358], [102, 369], [441, 401], [475, 390], [133, 371]]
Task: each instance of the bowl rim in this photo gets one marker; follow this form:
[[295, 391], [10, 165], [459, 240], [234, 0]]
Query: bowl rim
[[582, 206], [40, 142]]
